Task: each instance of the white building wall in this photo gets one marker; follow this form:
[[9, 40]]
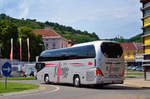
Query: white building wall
[[54, 42]]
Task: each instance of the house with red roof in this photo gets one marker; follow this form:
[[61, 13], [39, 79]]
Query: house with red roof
[[129, 50], [132, 51], [51, 39]]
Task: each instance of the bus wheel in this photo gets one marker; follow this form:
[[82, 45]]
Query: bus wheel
[[99, 86], [76, 81], [46, 79]]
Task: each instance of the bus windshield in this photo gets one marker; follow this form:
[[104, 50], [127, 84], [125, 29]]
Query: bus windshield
[[111, 50]]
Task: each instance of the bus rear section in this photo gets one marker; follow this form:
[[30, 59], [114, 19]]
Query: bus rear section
[[110, 68]]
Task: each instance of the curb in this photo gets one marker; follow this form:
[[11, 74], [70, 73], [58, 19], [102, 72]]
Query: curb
[[137, 82], [133, 85], [136, 85]]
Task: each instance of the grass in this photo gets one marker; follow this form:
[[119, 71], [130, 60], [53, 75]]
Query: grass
[[133, 71], [16, 86], [139, 74], [147, 98], [19, 78]]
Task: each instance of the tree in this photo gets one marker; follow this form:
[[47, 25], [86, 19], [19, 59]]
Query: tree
[[95, 36], [3, 16], [36, 43], [8, 30], [65, 31]]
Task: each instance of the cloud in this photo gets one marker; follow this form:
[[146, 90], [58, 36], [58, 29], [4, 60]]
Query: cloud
[[24, 10], [1, 4], [105, 17]]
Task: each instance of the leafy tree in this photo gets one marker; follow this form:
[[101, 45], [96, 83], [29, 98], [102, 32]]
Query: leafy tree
[[3, 16], [8, 30], [137, 38], [36, 43], [66, 31]]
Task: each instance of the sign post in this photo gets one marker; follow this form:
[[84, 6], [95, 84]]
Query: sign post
[[6, 69]]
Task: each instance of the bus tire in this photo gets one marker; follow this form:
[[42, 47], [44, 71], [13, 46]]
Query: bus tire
[[76, 81], [46, 79], [100, 86]]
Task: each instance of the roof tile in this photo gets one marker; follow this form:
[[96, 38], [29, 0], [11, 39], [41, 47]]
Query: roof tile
[[128, 46], [46, 32]]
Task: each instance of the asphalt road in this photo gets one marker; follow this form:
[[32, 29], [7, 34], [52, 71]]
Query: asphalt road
[[86, 92]]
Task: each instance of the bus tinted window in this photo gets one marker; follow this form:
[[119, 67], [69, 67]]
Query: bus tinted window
[[68, 53], [39, 66], [111, 50]]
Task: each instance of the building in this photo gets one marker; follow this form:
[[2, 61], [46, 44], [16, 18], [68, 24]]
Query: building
[[51, 39], [131, 51], [70, 43], [139, 54], [146, 37]]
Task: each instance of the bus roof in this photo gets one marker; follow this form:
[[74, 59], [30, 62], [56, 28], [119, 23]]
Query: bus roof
[[94, 42], [81, 44]]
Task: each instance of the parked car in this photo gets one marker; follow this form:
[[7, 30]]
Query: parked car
[[15, 74], [139, 68], [129, 67], [133, 68]]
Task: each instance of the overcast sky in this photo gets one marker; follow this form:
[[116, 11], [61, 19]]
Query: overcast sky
[[107, 18]]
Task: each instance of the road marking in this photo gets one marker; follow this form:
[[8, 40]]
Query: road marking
[[57, 88]]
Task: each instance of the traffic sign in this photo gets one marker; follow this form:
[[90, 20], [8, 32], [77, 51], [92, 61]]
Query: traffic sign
[[6, 69]]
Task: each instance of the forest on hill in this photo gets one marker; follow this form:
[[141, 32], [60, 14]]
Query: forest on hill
[[136, 38], [68, 32], [22, 28]]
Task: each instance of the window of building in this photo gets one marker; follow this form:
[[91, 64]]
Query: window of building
[[146, 12], [46, 40], [147, 5], [134, 53], [146, 30], [54, 44], [128, 54], [46, 47], [147, 57]]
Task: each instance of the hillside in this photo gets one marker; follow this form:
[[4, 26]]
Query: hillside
[[136, 38], [66, 31]]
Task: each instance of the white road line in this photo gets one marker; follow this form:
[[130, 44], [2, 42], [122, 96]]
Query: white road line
[[57, 88]]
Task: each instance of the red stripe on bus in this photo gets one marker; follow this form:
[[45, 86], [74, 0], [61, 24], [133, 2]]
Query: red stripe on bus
[[76, 63], [90, 63], [58, 72], [49, 64]]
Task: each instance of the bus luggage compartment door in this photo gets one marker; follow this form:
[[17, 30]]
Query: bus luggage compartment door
[[113, 70]]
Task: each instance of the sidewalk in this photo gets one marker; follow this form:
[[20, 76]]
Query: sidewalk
[[137, 82]]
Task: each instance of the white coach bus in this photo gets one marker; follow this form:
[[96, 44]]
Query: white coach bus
[[98, 62]]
